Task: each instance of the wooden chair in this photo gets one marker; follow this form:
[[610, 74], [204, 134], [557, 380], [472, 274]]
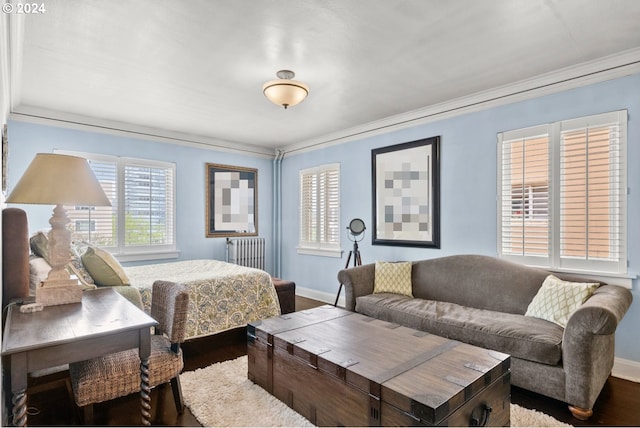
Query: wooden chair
[[116, 375]]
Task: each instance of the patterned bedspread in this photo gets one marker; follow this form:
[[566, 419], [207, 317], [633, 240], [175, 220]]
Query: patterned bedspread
[[222, 295]]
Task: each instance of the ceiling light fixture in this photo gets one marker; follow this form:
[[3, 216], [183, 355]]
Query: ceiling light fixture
[[284, 91]]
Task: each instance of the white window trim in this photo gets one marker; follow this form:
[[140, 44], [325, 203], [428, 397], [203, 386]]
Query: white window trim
[[590, 268], [142, 253], [321, 249]]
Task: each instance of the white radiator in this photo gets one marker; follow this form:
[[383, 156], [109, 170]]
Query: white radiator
[[246, 252]]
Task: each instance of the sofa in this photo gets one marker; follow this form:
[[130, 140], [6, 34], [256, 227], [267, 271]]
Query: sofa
[[483, 300]]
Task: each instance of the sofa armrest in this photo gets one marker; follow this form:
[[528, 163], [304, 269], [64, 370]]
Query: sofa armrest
[[588, 344], [357, 281], [602, 312]]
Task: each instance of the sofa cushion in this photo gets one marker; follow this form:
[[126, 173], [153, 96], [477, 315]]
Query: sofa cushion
[[557, 299], [523, 337], [393, 277]]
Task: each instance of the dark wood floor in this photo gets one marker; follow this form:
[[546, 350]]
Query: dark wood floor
[[618, 404]]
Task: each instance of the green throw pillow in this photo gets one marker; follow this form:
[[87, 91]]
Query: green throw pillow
[[39, 244], [104, 268], [557, 299], [393, 278]]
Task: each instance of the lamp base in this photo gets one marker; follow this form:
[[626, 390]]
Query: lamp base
[[58, 292]]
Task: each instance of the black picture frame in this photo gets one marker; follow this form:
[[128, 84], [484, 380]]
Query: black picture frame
[[231, 201], [406, 194]]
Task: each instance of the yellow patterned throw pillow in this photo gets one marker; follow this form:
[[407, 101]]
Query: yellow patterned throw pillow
[[393, 278], [557, 299]]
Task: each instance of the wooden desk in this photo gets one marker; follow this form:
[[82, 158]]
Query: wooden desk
[[104, 323]]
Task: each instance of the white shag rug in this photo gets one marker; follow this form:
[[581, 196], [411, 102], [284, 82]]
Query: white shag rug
[[222, 395]]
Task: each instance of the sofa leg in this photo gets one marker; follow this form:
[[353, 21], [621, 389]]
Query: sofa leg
[[580, 413]]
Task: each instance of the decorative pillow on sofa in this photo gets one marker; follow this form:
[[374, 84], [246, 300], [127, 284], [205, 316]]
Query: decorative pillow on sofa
[[393, 278], [557, 299], [103, 267]]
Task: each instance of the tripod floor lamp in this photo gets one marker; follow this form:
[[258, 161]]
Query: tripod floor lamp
[[356, 228]]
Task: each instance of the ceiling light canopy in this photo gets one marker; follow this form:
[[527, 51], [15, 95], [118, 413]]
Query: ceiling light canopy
[[284, 91]]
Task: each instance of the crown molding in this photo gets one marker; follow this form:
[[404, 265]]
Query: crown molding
[[5, 87], [15, 34], [607, 68], [58, 119]]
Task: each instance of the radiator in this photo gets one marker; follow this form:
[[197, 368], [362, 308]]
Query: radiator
[[246, 252]]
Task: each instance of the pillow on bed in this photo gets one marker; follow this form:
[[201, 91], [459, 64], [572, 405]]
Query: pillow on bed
[[38, 272], [104, 268], [76, 268], [39, 244]]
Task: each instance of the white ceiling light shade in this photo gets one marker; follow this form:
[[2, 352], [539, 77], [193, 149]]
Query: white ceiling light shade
[[284, 91]]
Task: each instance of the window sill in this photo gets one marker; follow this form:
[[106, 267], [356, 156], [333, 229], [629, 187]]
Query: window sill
[[324, 252], [621, 279], [138, 257]]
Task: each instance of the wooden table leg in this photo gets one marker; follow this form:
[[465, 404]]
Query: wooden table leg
[[20, 408], [145, 390], [19, 389], [145, 393]]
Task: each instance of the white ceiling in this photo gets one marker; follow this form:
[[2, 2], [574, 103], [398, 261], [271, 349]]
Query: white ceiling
[[195, 68]]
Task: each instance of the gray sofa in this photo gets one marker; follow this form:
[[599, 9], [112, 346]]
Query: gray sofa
[[482, 300]]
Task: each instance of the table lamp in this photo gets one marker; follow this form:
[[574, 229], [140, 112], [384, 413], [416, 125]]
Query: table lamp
[[53, 179]]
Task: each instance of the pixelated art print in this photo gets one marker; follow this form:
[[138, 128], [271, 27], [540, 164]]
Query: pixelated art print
[[406, 194], [232, 201]]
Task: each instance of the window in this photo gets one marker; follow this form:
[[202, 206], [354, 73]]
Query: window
[[141, 218], [562, 194], [85, 226], [320, 211]]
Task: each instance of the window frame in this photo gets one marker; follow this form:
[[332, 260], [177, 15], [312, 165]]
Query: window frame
[[554, 261], [121, 251], [318, 248]]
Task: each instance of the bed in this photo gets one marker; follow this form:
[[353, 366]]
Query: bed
[[221, 295]]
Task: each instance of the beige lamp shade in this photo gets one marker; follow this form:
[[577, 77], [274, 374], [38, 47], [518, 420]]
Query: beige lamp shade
[[53, 179], [285, 91]]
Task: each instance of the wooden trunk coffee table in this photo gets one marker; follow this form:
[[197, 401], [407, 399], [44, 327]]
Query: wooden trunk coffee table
[[340, 368]]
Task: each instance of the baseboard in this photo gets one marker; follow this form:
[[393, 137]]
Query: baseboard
[[626, 369], [321, 296]]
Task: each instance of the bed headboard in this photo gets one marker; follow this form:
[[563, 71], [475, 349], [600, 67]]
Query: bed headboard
[[15, 255]]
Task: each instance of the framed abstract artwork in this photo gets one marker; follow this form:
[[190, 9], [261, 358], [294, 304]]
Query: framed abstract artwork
[[232, 201], [406, 194]]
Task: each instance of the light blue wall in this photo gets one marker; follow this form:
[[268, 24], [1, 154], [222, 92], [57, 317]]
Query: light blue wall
[[468, 186], [26, 139]]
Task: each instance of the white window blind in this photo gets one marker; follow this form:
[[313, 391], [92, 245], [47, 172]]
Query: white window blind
[[105, 233], [562, 194], [524, 193], [320, 208], [148, 202], [141, 219]]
